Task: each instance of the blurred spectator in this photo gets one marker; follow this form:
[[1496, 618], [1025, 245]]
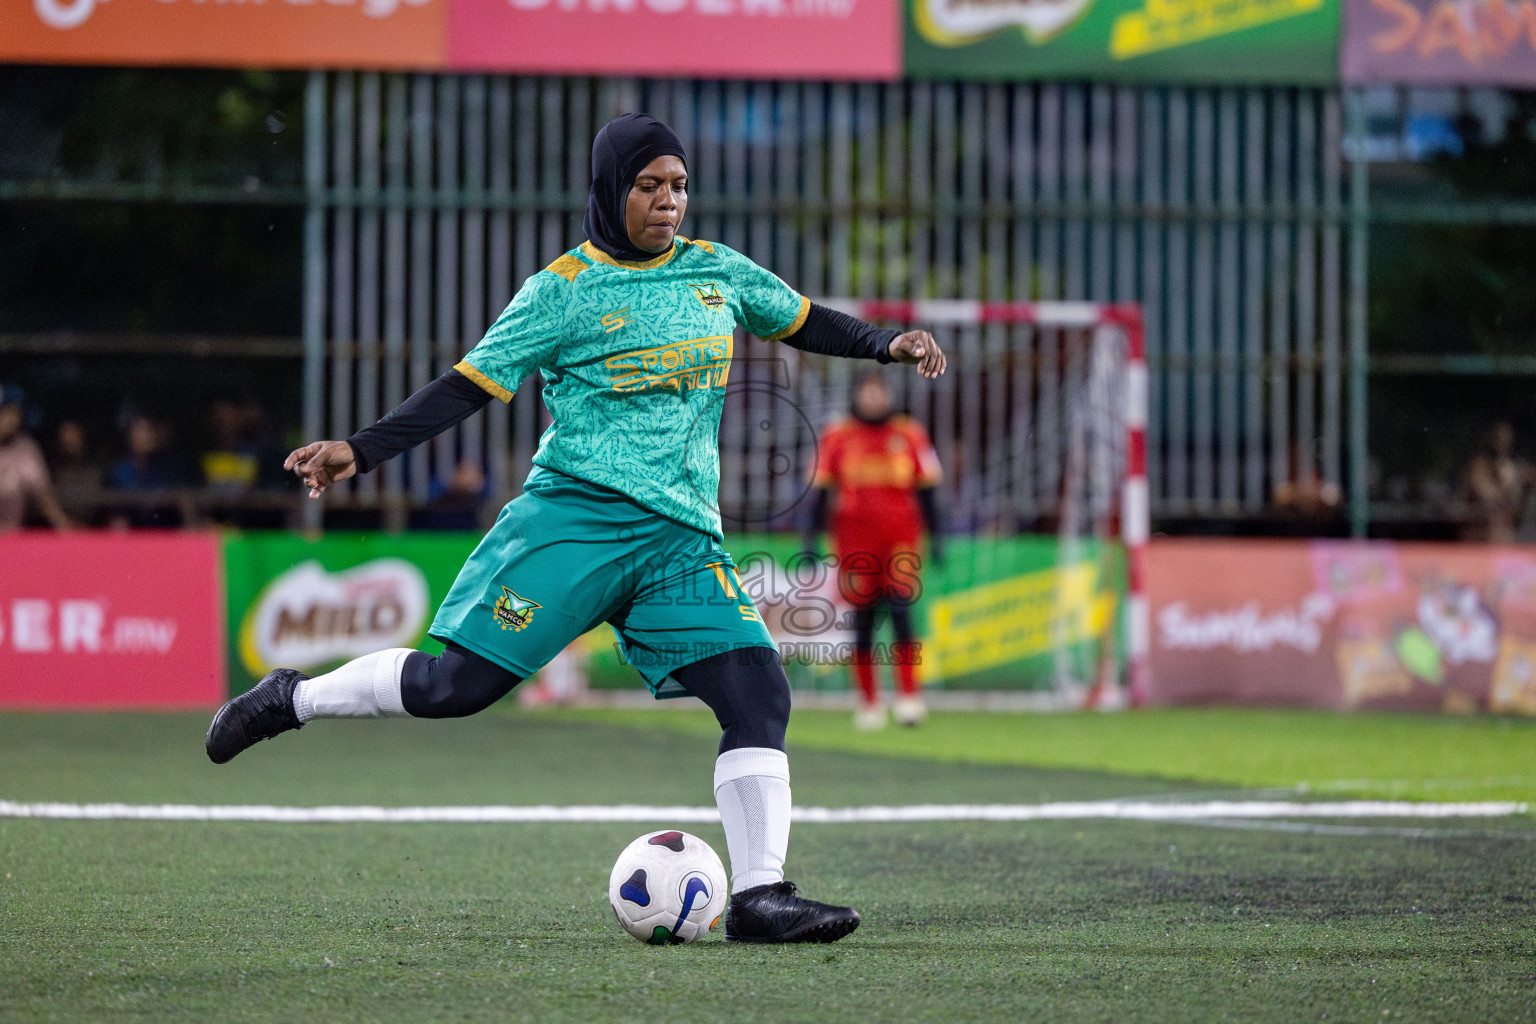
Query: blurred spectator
[[148, 465], [1306, 493], [454, 505], [23, 473], [264, 444], [73, 466], [233, 464], [1495, 487]]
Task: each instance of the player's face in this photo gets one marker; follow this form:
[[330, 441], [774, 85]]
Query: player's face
[[654, 210], [10, 421], [872, 400]]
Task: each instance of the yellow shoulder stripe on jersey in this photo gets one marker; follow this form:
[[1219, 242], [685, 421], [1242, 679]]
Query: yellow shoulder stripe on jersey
[[708, 247], [568, 267], [799, 322], [490, 387]]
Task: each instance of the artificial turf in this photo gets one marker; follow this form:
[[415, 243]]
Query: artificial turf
[[1048, 921], [1391, 756]]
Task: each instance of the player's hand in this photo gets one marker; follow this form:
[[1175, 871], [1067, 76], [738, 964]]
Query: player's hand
[[321, 464], [920, 348]]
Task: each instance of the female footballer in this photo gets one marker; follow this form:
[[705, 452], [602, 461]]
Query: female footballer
[[632, 331]]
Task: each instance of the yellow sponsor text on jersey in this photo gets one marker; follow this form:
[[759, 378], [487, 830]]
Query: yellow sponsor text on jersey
[[680, 366]]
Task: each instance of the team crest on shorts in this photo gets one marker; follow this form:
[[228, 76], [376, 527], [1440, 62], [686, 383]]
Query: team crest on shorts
[[513, 611]]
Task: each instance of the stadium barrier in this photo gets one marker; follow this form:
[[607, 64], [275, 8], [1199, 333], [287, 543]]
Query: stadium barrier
[[173, 620], [991, 613], [179, 620]]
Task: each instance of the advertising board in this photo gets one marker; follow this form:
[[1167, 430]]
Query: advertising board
[[836, 39], [107, 620], [311, 604], [1345, 625], [1240, 41], [1440, 42], [997, 613], [384, 34]]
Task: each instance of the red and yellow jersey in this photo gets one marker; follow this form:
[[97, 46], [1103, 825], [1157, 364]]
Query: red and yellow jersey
[[875, 470]]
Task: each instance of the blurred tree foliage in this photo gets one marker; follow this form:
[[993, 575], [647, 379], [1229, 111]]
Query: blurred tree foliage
[[151, 124], [122, 267], [150, 265]]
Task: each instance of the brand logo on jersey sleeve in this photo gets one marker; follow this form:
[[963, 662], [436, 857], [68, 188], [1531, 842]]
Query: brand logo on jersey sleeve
[[513, 611], [618, 318]]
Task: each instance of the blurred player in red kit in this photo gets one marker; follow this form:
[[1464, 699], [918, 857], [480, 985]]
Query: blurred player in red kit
[[877, 471]]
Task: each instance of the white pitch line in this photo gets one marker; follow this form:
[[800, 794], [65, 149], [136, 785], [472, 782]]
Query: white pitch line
[[1129, 810]]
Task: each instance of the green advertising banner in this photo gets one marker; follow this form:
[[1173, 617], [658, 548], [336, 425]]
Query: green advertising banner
[[311, 604], [1277, 42], [999, 613]]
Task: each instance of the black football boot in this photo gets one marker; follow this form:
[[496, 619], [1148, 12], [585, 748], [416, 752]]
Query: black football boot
[[259, 713], [773, 913]]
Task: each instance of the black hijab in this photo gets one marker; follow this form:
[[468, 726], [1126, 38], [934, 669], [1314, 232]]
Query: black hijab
[[619, 153]]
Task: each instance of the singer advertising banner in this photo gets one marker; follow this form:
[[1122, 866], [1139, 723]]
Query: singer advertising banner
[[774, 39], [111, 621]]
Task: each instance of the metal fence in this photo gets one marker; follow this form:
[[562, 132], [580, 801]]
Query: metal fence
[[1222, 211]]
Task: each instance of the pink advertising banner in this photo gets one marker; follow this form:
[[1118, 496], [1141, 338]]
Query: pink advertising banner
[[1334, 624], [838, 39], [1440, 42], [111, 620]]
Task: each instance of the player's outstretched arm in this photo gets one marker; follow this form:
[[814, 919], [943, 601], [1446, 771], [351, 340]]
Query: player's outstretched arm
[[830, 332], [450, 399]]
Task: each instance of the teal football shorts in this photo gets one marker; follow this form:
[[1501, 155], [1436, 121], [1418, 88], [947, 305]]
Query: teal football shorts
[[567, 555]]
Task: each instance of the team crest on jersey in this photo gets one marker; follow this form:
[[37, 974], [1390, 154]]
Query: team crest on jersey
[[513, 611], [709, 294]]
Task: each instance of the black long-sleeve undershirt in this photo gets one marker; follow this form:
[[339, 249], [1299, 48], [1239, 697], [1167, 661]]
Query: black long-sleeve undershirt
[[453, 398], [830, 333], [446, 401]]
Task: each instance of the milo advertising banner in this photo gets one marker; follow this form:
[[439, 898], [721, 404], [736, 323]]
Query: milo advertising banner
[[1226, 41], [312, 604]]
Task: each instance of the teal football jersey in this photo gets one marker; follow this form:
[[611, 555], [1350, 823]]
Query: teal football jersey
[[636, 358]]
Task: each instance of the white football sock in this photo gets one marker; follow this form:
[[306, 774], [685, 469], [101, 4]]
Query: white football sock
[[752, 791], [366, 687]]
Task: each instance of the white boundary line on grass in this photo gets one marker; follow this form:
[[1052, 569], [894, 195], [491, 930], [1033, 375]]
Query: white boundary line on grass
[[1131, 810]]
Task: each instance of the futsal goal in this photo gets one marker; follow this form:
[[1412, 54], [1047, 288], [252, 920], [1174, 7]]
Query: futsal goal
[[1040, 424]]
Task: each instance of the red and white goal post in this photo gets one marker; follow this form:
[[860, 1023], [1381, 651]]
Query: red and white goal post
[[1110, 404]]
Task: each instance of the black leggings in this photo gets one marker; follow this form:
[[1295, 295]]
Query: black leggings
[[864, 625], [746, 689]]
